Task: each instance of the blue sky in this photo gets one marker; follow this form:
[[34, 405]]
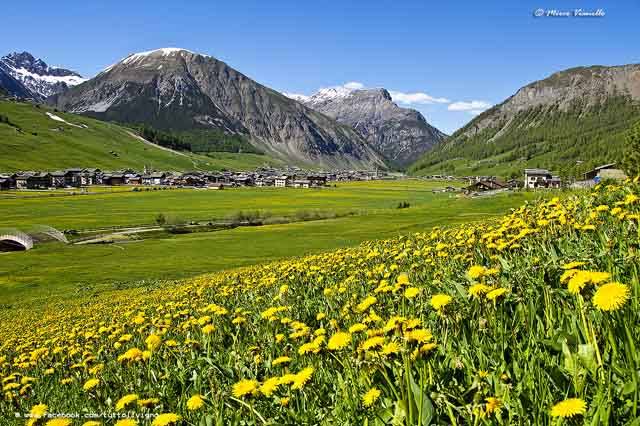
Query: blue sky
[[462, 52]]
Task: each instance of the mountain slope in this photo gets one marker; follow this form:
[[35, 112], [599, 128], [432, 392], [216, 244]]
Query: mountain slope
[[13, 87], [178, 90], [37, 138], [41, 79], [571, 121], [401, 135]]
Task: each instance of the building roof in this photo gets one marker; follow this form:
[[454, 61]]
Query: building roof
[[537, 171]]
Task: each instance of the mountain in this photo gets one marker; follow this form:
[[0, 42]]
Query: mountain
[[34, 137], [13, 87], [34, 74], [569, 122], [178, 90], [401, 135]]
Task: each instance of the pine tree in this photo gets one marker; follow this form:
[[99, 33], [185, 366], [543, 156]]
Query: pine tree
[[632, 154]]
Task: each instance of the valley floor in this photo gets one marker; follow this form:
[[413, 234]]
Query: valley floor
[[55, 271]]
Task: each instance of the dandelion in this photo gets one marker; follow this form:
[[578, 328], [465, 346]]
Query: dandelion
[[403, 279], [372, 342], [356, 328], [439, 301], [38, 410], [244, 387], [366, 304], [569, 408], [166, 419], [411, 292], [58, 422], [149, 402], [92, 423], [339, 341], [390, 348], [133, 354], [370, 397], [493, 405], [269, 386], [320, 316], [195, 402], [301, 378], [125, 401], [208, 329], [495, 294], [477, 290], [90, 384], [153, 342], [281, 360], [611, 296], [476, 272], [419, 335], [573, 265]]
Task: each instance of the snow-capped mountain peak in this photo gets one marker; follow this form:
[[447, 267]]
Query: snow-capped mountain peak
[[41, 79]]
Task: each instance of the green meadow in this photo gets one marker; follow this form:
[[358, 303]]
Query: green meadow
[[32, 140], [55, 271]]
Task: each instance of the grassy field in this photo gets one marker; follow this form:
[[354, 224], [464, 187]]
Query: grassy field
[[33, 141], [528, 319], [55, 270]]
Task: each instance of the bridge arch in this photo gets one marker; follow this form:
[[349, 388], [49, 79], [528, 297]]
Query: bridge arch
[[15, 241]]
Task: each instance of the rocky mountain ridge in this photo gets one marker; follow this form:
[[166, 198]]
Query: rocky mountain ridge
[[401, 135], [40, 79], [175, 89]]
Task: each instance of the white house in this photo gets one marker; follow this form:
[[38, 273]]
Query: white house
[[540, 178]]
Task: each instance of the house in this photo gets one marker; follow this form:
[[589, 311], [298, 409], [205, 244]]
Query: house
[[156, 178], [133, 179], [58, 179], [90, 177], [113, 179], [607, 171], [486, 185], [7, 182], [72, 177], [282, 181], [301, 183], [33, 180], [242, 180], [317, 180], [540, 178]]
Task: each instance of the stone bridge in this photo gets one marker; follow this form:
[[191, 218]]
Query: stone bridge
[[15, 240]]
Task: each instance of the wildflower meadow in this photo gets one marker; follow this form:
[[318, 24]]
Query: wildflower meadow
[[529, 319]]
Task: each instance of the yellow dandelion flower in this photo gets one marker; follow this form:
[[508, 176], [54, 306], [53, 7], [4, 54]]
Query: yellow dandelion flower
[[339, 341], [611, 296], [58, 422], [569, 408], [302, 378], [320, 316], [285, 401], [439, 301], [125, 400], [166, 419], [195, 402], [574, 265], [281, 360], [478, 290], [153, 342], [390, 348], [403, 279], [476, 272], [419, 335], [493, 405], [149, 402], [372, 342], [90, 384], [269, 386], [356, 328], [244, 387], [495, 294], [208, 329], [366, 304], [133, 354], [38, 410], [92, 423], [370, 397], [412, 292]]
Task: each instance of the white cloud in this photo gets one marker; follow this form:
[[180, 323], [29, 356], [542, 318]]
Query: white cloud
[[476, 106], [416, 98], [353, 85], [296, 96]]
